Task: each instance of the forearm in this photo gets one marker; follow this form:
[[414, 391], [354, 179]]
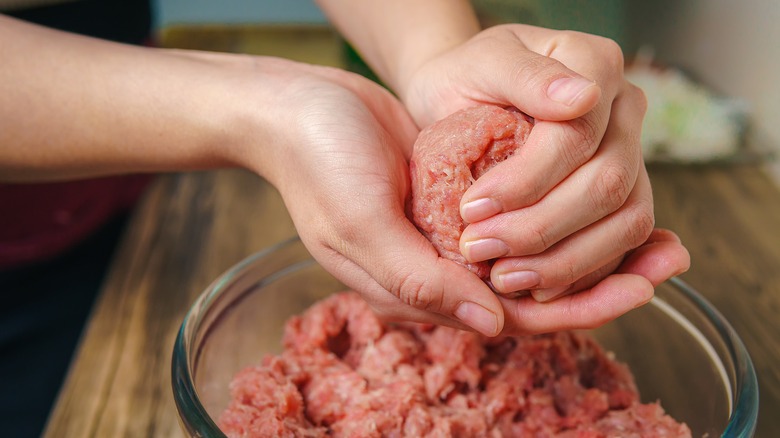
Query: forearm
[[396, 37], [72, 106]]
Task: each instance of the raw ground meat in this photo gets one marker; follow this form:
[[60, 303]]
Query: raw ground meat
[[343, 373], [448, 157]]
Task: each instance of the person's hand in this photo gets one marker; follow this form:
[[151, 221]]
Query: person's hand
[[605, 293], [563, 211], [340, 161]]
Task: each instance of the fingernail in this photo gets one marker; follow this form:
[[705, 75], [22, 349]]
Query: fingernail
[[518, 280], [484, 249], [568, 90], [475, 211], [478, 318], [545, 295]]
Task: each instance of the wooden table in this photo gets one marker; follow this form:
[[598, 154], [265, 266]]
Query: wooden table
[[193, 226]]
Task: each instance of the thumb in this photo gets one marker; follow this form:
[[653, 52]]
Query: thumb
[[423, 286], [539, 85], [546, 89]]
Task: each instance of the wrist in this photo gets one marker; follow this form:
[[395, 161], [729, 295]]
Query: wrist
[[267, 111], [397, 37], [411, 59], [244, 110]]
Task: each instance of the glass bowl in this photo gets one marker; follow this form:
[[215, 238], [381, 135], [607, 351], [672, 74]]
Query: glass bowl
[[680, 349]]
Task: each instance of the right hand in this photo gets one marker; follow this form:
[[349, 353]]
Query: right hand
[[562, 213]]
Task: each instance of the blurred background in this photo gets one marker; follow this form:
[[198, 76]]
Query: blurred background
[[728, 48], [708, 68]]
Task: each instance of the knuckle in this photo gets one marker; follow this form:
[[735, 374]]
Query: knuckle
[[532, 70], [569, 269], [638, 97], [641, 221], [415, 291], [538, 238], [630, 141], [605, 50], [611, 54], [583, 319], [520, 192], [611, 188], [566, 38], [583, 137], [580, 140], [348, 232]]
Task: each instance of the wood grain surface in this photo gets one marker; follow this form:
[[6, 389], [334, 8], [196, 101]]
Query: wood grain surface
[[191, 227]]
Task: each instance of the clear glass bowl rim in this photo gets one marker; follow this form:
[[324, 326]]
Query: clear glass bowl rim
[[195, 419]]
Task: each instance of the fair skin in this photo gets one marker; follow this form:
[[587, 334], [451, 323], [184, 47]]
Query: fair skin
[[584, 148], [334, 144]]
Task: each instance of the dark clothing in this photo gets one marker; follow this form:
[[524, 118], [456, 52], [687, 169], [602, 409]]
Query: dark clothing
[[56, 242], [41, 319], [125, 21], [41, 221]]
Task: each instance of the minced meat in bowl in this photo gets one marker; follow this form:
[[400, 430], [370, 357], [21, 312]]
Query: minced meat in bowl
[[683, 356]]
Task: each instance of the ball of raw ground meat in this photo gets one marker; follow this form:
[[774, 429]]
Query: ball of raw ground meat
[[448, 157]]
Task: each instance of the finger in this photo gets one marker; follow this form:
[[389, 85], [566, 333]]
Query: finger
[[583, 252], [591, 308], [661, 257], [409, 280], [556, 150], [533, 82], [586, 282], [595, 190], [597, 58], [386, 305]]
